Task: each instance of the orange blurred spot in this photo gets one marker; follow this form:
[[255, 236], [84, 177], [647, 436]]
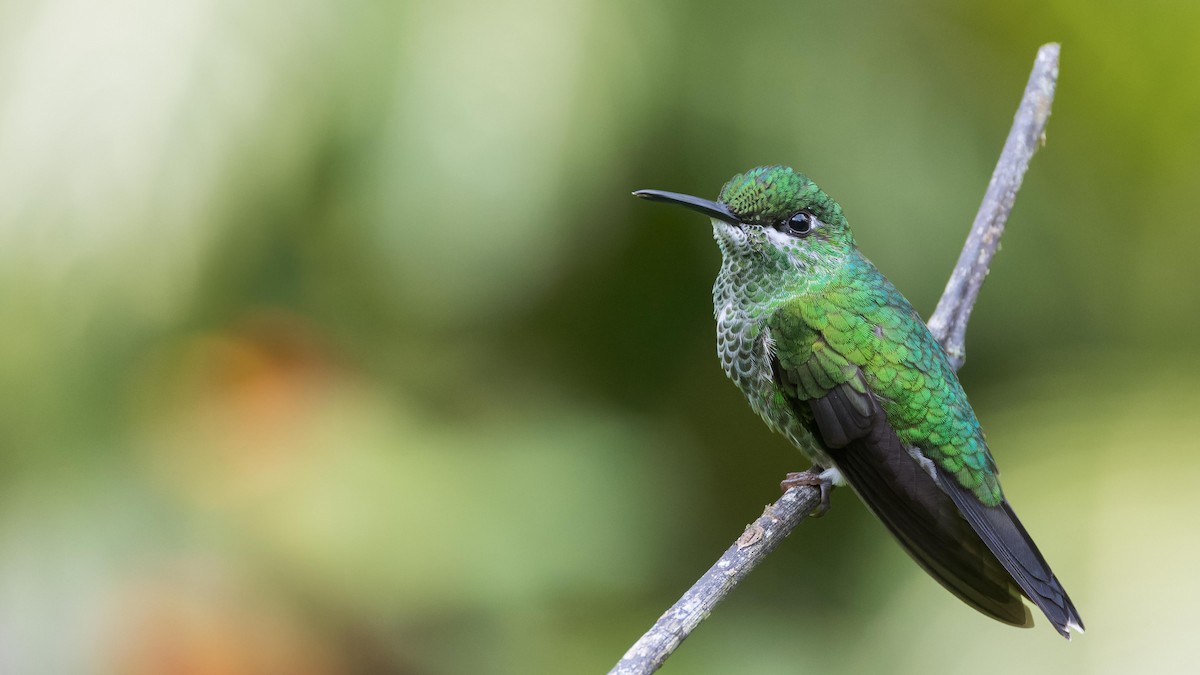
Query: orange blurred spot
[[232, 412], [184, 624]]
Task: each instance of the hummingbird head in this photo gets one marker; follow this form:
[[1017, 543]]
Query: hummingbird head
[[772, 213]]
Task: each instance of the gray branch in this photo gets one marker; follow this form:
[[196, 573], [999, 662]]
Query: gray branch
[[948, 325], [760, 538], [949, 321]]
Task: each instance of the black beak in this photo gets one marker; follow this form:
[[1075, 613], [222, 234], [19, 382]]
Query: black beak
[[710, 209]]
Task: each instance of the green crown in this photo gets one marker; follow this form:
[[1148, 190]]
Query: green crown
[[767, 194]]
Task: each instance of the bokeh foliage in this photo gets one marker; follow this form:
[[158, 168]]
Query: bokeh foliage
[[332, 341]]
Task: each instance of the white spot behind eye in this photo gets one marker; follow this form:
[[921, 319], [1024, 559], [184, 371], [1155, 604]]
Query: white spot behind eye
[[779, 239]]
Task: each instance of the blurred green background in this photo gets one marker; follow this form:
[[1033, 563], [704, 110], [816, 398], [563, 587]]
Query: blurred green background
[[331, 340]]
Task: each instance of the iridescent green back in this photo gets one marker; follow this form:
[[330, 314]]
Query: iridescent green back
[[862, 322]]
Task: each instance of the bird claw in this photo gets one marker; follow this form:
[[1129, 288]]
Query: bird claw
[[814, 477]]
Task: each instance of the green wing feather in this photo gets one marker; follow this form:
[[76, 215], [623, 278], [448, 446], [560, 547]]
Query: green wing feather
[[868, 327], [867, 379]]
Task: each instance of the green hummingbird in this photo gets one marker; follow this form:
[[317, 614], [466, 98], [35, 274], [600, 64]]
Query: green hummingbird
[[833, 357]]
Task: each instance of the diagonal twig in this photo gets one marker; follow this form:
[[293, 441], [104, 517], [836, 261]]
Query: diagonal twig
[[949, 320], [948, 325]]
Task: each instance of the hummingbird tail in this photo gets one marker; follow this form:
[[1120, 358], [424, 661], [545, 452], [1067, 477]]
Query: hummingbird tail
[[927, 524], [980, 553], [999, 528]]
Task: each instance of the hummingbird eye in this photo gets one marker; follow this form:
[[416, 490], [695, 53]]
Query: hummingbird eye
[[799, 224]]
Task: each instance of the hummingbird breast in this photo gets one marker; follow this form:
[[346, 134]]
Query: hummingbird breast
[[741, 306], [742, 341]]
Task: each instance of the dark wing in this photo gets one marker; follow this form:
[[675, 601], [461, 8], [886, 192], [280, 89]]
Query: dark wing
[[981, 554]]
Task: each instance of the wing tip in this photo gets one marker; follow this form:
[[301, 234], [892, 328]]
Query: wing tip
[[1025, 621]]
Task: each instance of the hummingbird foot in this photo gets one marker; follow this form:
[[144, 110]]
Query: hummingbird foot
[[816, 476]]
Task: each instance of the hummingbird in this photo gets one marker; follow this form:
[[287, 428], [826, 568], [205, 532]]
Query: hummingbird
[[834, 358]]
